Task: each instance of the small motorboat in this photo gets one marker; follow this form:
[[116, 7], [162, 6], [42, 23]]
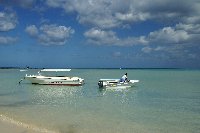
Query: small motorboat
[[116, 83], [54, 80]]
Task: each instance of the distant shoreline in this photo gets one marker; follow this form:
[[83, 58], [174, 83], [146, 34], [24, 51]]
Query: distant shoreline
[[103, 68]]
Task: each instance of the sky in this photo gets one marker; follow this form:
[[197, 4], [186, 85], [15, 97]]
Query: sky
[[100, 33]]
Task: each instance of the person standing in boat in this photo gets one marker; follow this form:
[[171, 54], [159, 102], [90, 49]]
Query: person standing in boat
[[124, 78]]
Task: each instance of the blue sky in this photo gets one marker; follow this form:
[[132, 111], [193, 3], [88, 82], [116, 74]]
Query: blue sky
[[100, 33]]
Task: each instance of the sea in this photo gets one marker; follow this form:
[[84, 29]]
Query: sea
[[164, 101]]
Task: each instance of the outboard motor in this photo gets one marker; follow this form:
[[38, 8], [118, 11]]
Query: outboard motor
[[100, 84]]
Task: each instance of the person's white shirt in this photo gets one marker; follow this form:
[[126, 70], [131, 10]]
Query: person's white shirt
[[123, 78]]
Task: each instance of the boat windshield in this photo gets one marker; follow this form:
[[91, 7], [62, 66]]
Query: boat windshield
[[54, 72]]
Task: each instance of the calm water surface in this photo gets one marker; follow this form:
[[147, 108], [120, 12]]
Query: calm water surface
[[164, 101]]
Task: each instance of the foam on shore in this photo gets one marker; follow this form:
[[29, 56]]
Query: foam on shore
[[31, 128]]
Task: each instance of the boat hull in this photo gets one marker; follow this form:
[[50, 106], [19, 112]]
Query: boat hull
[[115, 83], [59, 80]]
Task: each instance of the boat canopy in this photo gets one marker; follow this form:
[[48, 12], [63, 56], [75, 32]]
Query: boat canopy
[[56, 70], [109, 79]]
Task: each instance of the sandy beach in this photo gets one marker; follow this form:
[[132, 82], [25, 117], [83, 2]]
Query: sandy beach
[[8, 125]]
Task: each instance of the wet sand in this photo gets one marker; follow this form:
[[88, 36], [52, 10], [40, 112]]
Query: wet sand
[[8, 125]]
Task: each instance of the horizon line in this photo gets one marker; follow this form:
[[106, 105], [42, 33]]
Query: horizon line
[[95, 68]]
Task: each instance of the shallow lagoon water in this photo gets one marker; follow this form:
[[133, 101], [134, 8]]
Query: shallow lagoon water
[[165, 100]]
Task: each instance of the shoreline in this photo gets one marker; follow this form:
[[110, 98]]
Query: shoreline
[[8, 125]]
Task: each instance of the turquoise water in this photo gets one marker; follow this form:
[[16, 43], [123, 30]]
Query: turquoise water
[[164, 101]]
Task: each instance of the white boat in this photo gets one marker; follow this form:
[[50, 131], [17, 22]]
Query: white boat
[[54, 80], [115, 83], [23, 70]]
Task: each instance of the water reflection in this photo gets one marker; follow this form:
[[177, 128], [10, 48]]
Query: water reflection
[[122, 96], [55, 95], [102, 91]]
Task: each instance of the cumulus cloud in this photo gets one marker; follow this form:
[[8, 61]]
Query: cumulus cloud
[[130, 41], [146, 49], [168, 35], [99, 13], [108, 15], [175, 42], [50, 34], [98, 36], [7, 40], [8, 20], [104, 37], [32, 30], [115, 13], [190, 28], [181, 16], [132, 17], [179, 34]]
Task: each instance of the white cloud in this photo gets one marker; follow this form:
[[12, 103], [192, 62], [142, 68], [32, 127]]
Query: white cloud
[[132, 16], [50, 34], [32, 30], [168, 35], [190, 28], [115, 13], [159, 48], [107, 15], [104, 37], [147, 49], [175, 42], [98, 36], [99, 13], [180, 34], [96, 13], [130, 41], [167, 39], [7, 40], [8, 20]]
